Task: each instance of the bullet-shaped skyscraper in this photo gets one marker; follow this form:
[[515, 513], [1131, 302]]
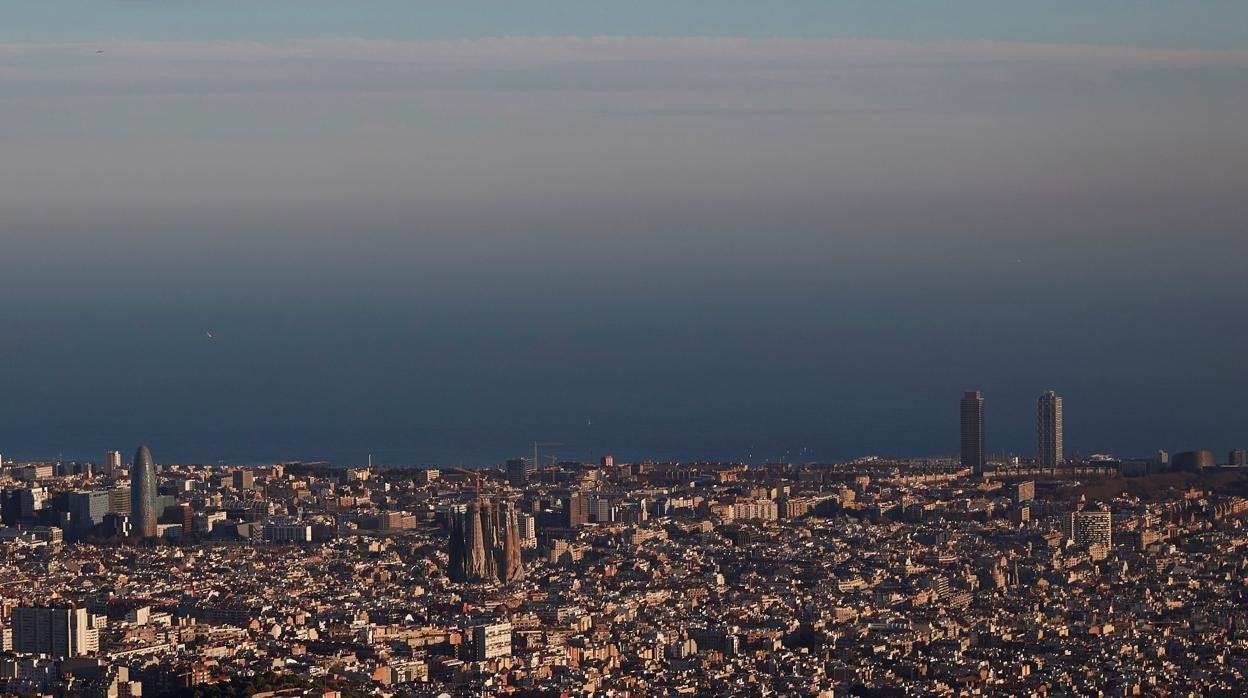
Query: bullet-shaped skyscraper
[[972, 409], [143, 494], [1049, 447]]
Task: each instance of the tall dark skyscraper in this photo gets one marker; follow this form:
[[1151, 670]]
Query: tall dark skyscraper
[[143, 494], [972, 410], [1049, 447]]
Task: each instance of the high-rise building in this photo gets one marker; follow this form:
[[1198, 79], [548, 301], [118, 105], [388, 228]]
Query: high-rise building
[[972, 411], [86, 509], [31, 501], [143, 494], [528, 530], [1237, 458], [491, 640], [58, 632], [520, 470], [1090, 526], [119, 500], [576, 508], [243, 479], [112, 463], [601, 510], [1049, 446]]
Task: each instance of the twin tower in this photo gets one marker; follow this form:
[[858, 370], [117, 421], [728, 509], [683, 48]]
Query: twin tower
[[1049, 440]]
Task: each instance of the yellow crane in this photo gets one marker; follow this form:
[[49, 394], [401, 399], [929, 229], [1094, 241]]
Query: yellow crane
[[476, 477]]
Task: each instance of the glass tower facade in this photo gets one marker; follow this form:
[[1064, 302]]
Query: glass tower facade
[[143, 494], [1049, 446], [972, 409]]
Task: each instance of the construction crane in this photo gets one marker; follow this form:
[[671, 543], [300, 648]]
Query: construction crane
[[538, 469], [537, 463], [476, 477]]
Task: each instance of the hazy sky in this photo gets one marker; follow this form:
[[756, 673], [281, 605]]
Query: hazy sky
[[440, 230]]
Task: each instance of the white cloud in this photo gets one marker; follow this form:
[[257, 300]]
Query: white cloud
[[581, 64], [596, 119]]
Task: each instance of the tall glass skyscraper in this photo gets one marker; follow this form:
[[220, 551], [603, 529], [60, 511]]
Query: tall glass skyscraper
[[1049, 447], [972, 409], [143, 494]]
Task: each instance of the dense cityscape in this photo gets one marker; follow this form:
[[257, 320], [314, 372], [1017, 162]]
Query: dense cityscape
[[642, 349], [1043, 576]]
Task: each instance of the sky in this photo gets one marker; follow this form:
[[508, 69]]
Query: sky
[[438, 231]]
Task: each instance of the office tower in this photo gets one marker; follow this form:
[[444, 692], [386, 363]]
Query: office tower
[[972, 409], [143, 494], [119, 500], [608, 461], [1237, 458], [1087, 527], [87, 510], [31, 501], [1049, 446], [181, 514], [520, 471], [243, 479], [577, 509], [112, 463], [601, 510], [491, 640], [57, 632], [527, 528]]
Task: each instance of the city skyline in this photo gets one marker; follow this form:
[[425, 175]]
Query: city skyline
[[588, 348], [1049, 447], [538, 577]]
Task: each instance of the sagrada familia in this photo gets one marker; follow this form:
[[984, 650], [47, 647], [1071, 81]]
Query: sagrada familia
[[485, 544]]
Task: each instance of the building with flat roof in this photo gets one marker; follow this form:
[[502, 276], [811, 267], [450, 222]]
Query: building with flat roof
[[491, 640], [57, 632], [972, 413], [111, 463], [1049, 440], [1086, 528]]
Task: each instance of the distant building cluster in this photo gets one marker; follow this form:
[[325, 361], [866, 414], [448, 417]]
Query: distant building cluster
[[965, 575]]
